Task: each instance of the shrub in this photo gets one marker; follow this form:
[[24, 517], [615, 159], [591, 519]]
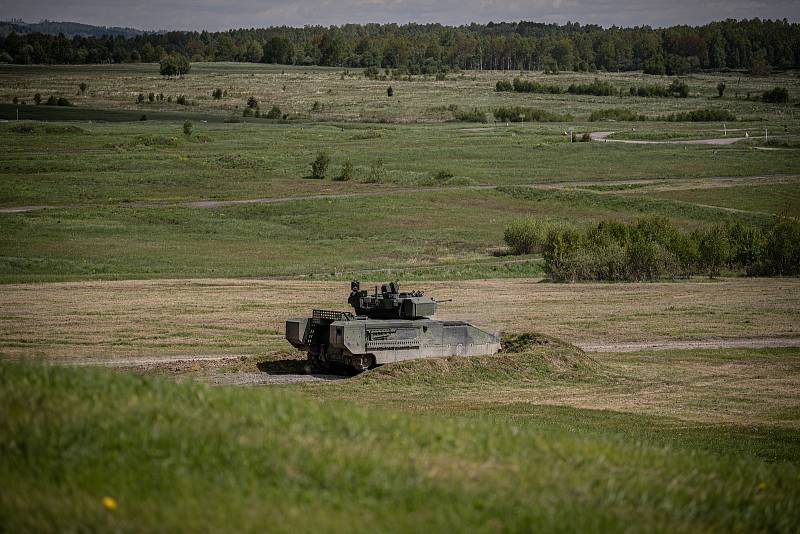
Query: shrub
[[274, 113], [443, 175], [777, 95], [187, 128], [175, 64], [252, 103], [702, 115], [151, 97], [371, 73], [474, 115], [346, 174], [319, 167], [140, 98], [596, 88], [526, 235], [678, 89], [83, 87], [560, 252], [37, 98], [62, 101], [519, 114], [389, 91], [143, 117], [216, 94], [247, 112], [376, 173], [721, 89], [317, 106], [503, 85], [181, 100], [524, 86], [714, 250], [617, 114], [781, 249]]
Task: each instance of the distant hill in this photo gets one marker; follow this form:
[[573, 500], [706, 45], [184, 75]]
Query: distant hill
[[69, 29]]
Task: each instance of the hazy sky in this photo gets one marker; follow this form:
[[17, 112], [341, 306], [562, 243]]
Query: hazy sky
[[211, 15]]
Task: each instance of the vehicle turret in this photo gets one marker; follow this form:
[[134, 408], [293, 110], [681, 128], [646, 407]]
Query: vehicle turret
[[390, 303]]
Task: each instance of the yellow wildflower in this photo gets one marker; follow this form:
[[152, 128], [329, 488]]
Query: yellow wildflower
[[109, 503]]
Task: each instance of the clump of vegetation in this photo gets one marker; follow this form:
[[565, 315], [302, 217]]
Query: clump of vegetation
[[319, 167], [274, 113], [616, 114], [586, 137], [371, 73], [151, 97], [252, 103], [57, 101], [776, 95], [216, 94], [389, 91], [346, 173], [503, 86], [187, 128], [596, 88], [175, 64], [701, 115], [526, 235], [83, 86], [523, 114], [376, 173], [473, 115], [37, 98], [653, 248], [525, 86], [140, 98], [181, 100], [721, 89], [442, 175]]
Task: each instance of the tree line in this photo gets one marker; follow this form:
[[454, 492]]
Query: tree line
[[758, 45]]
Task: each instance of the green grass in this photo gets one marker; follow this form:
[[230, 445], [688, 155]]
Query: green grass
[[779, 199], [186, 457], [413, 235]]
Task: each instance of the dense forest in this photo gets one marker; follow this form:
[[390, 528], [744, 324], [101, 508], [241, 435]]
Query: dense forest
[[754, 44]]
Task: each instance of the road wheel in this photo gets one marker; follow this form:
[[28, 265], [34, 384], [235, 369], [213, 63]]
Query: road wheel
[[363, 362]]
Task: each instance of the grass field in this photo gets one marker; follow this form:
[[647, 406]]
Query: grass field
[[176, 259]]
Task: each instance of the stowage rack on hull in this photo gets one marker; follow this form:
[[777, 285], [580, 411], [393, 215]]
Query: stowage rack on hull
[[389, 326]]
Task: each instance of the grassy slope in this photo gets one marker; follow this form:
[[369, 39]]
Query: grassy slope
[[777, 199], [185, 457], [301, 237], [153, 161]]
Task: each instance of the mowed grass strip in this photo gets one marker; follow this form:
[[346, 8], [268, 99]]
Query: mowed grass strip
[[185, 457]]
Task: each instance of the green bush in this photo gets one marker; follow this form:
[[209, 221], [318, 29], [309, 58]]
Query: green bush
[[596, 88], [702, 115], [778, 95], [187, 128], [562, 254], [274, 113], [525, 86], [520, 114], [346, 174], [319, 167], [473, 115], [526, 235], [216, 94], [617, 114], [503, 85], [780, 255], [252, 103]]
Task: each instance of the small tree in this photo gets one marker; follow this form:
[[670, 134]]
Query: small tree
[[83, 87], [320, 165], [37, 98], [151, 97], [187, 128], [721, 88], [346, 173], [216, 94], [252, 103], [389, 91], [140, 98], [175, 64], [274, 113], [714, 250]]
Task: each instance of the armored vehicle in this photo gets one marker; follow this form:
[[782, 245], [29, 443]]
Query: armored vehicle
[[387, 326]]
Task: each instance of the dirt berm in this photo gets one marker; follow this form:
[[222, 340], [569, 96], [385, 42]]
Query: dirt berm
[[525, 357]]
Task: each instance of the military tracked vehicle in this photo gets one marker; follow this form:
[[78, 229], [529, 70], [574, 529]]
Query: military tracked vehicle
[[387, 326]]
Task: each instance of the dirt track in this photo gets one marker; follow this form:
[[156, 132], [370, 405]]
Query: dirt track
[[681, 183]]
